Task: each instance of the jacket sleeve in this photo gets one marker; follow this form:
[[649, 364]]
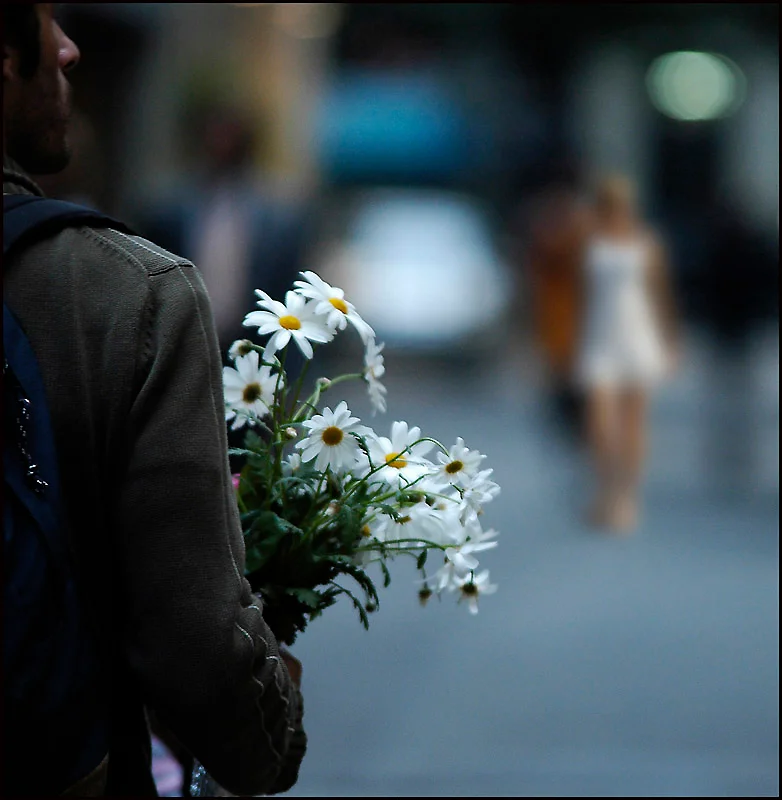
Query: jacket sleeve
[[194, 633]]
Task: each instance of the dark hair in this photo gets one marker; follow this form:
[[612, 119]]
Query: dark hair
[[21, 30]]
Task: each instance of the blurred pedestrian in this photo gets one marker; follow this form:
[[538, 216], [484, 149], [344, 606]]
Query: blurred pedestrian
[[627, 344], [120, 338], [552, 259], [243, 233]]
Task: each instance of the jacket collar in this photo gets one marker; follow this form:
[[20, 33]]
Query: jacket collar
[[16, 180]]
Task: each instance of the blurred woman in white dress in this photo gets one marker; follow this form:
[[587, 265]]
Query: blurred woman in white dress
[[628, 344]]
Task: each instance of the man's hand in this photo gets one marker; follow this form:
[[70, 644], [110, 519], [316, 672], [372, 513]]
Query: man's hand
[[293, 665]]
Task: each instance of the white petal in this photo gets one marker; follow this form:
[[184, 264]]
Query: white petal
[[304, 346]]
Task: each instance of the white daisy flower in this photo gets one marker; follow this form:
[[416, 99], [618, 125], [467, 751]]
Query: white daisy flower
[[295, 318], [330, 301], [398, 467], [477, 492], [248, 390], [291, 465], [362, 558], [372, 529], [447, 578], [377, 397], [418, 521], [471, 540], [241, 347], [330, 442], [374, 369], [473, 587], [459, 464], [442, 496]]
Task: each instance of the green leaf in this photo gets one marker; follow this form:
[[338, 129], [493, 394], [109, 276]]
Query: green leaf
[[386, 573], [271, 524], [363, 580], [361, 612], [389, 510], [252, 441], [309, 597], [247, 517], [274, 538], [240, 451]]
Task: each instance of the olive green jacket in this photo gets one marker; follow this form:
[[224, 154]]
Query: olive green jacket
[[127, 347]]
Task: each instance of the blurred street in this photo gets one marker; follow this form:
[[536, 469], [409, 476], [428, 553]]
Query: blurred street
[[641, 665], [604, 666]]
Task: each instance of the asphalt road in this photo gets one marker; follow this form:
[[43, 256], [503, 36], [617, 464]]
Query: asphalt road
[[603, 666]]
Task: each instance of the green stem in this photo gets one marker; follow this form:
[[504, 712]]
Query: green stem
[[398, 455], [261, 424], [300, 383], [303, 523], [260, 350], [277, 414], [427, 545], [311, 402], [279, 397]]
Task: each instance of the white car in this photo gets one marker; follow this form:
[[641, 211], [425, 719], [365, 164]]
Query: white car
[[421, 266]]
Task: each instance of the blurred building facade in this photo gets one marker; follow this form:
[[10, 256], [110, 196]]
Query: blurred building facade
[[523, 87]]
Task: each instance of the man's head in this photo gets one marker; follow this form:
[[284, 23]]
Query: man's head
[[36, 93]]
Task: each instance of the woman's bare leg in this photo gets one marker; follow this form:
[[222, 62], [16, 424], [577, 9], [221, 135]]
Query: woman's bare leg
[[633, 405], [601, 437]]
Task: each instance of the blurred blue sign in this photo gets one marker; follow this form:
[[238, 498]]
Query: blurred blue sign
[[381, 126]]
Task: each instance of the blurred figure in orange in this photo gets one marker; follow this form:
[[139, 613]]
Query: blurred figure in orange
[[628, 344], [553, 258]]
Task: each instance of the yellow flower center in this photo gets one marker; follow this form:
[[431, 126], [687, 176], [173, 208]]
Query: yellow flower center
[[339, 304], [332, 436], [470, 589], [365, 531], [251, 393], [396, 461], [454, 467], [290, 323], [404, 520]]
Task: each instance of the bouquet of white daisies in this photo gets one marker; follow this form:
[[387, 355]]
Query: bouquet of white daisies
[[324, 499]]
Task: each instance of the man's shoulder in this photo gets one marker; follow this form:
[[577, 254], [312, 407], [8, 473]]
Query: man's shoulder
[[137, 252], [85, 243]]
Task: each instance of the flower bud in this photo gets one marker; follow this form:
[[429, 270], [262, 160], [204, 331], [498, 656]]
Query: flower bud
[[333, 508], [424, 593], [370, 607], [291, 432], [323, 383], [240, 348]]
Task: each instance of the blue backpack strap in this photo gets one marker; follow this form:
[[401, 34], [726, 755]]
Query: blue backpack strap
[[28, 217], [31, 216], [30, 468]]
